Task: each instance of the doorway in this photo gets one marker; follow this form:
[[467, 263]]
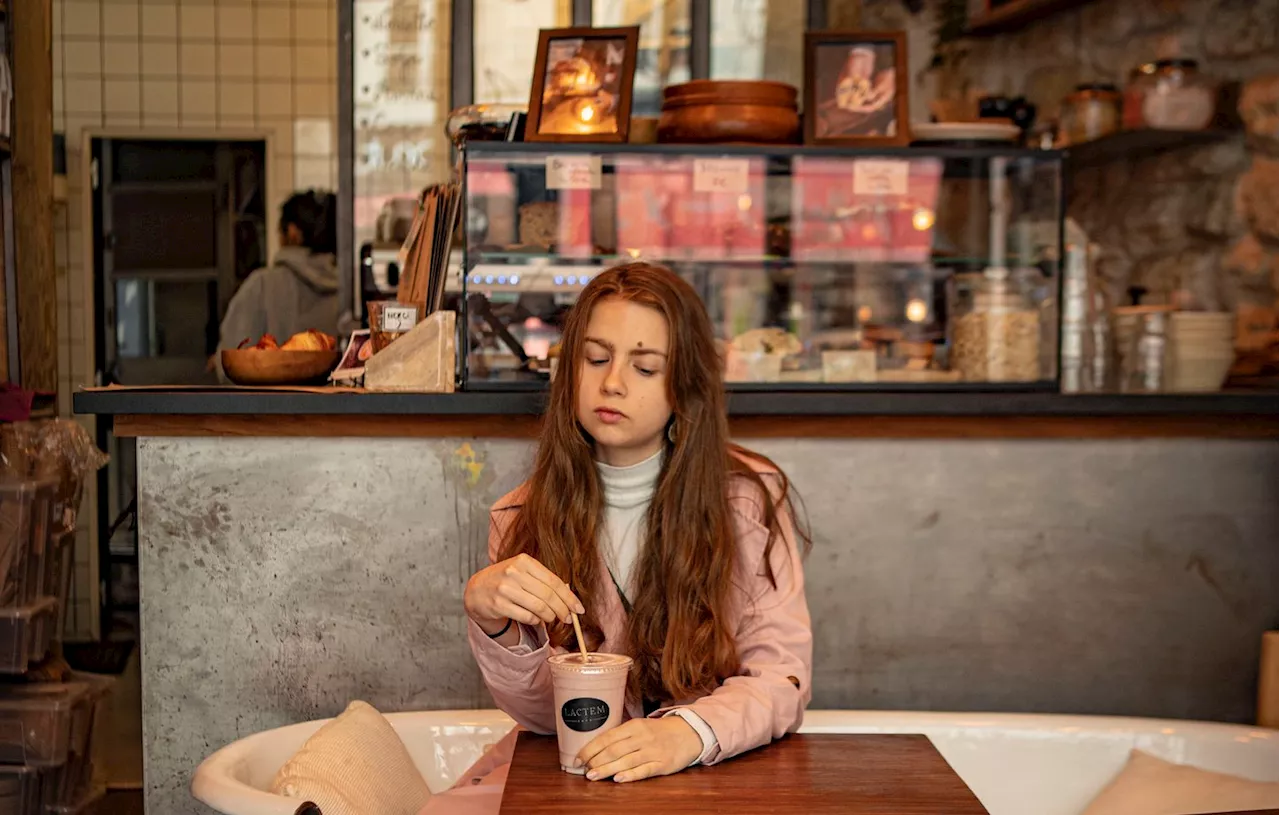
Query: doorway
[[178, 225]]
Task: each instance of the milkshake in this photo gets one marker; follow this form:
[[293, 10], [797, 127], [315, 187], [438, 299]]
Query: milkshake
[[589, 700]]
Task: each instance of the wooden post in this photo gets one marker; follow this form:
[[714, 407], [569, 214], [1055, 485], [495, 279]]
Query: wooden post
[[6, 202], [844, 15], [1267, 681], [32, 61]]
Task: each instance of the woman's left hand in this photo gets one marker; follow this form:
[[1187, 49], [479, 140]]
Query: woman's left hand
[[642, 748]]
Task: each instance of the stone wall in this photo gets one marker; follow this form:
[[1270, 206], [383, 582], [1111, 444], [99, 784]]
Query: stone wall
[[1163, 222]]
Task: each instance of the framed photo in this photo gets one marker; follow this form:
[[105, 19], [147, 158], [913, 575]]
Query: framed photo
[[582, 80], [351, 366], [855, 88]]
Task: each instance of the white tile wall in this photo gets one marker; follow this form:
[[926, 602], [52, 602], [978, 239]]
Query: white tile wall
[[265, 65], [84, 59], [197, 23], [160, 58], [122, 58], [235, 22], [274, 60], [198, 59], [83, 18], [236, 61], [120, 19], [160, 22], [273, 22]]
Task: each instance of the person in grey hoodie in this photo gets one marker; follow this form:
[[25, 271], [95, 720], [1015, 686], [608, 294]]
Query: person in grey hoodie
[[299, 290]]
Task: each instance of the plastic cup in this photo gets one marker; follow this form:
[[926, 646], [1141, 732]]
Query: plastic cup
[[590, 698]]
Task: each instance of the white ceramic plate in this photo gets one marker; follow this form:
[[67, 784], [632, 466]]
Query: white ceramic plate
[[964, 131]]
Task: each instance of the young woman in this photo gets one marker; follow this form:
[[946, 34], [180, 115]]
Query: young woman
[[676, 546]]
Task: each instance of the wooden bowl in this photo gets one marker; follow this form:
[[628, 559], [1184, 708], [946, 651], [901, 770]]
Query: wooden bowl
[[715, 111], [250, 366]]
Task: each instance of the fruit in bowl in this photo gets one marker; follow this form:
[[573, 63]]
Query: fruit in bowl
[[309, 340], [306, 357]]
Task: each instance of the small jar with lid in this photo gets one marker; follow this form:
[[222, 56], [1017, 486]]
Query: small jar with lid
[[995, 329], [1131, 117], [1090, 112], [1176, 96], [1143, 368]]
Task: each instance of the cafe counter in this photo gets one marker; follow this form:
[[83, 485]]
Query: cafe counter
[[971, 551]]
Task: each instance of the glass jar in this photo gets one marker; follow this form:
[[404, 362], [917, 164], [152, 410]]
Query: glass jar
[[1141, 79], [1143, 364], [480, 123], [995, 329], [1176, 96], [1091, 112]]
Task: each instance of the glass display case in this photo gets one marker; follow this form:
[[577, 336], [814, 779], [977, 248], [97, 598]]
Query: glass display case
[[910, 268]]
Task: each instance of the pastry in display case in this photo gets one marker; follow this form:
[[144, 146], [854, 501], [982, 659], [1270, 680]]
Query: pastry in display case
[[822, 268]]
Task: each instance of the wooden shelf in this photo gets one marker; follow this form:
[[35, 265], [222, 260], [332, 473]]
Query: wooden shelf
[[1138, 144], [1016, 15]]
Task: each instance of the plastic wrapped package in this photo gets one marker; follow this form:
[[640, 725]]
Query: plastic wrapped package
[[26, 633], [26, 508], [18, 445], [18, 506], [68, 784], [19, 790], [38, 555], [58, 449], [36, 722], [44, 625], [59, 572]]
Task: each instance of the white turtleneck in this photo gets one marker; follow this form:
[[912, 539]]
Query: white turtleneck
[[628, 491]]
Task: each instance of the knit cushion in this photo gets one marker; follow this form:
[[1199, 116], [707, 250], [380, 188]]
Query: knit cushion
[[355, 765], [1149, 786]]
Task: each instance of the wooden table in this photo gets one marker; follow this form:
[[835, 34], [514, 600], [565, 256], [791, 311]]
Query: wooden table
[[850, 775]]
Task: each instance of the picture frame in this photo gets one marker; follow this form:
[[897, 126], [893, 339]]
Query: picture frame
[[856, 89], [582, 85], [351, 366]]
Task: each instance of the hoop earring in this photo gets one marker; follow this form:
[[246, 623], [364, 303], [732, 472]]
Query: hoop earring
[[671, 432]]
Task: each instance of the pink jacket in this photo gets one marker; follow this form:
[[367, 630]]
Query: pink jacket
[[775, 643]]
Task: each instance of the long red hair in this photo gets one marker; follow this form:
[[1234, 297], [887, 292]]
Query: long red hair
[[679, 630]]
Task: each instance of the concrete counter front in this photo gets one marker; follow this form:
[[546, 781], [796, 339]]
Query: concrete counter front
[[1114, 560]]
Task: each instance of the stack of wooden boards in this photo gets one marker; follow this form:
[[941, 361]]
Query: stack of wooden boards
[[424, 257], [412, 339]]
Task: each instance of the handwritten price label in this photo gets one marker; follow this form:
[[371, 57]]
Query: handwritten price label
[[720, 175], [875, 176], [399, 318], [573, 172]]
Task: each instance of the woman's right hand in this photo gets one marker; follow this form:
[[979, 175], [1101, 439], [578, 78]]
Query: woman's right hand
[[520, 589]]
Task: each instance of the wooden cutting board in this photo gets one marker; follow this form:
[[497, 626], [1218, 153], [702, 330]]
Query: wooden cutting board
[[814, 774]]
